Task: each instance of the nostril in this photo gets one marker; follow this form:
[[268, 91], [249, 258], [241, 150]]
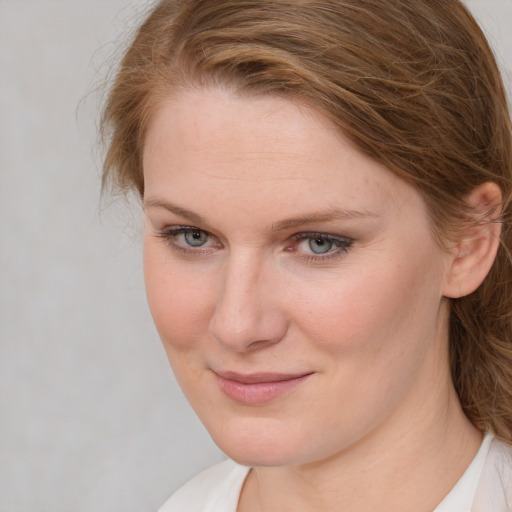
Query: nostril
[[248, 330], [247, 315]]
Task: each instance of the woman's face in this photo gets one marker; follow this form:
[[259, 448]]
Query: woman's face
[[294, 282]]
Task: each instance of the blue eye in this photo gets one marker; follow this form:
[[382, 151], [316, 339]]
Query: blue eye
[[195, 237], [188, 239], [320, 245]]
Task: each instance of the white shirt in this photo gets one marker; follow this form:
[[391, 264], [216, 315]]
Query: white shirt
[[485, 486]]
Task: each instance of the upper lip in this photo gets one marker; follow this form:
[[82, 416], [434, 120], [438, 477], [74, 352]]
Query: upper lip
[[261, 377]]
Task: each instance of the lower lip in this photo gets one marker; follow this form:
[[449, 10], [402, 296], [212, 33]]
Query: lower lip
[[257, 393]]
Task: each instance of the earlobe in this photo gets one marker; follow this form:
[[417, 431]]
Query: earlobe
[[474, 253]]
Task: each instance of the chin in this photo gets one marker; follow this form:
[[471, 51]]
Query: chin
[[261, 442]]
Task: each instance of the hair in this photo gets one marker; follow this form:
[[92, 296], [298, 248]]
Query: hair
[[412, 83]]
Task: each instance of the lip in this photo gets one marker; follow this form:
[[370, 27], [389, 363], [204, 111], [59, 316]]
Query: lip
[[258, 388]]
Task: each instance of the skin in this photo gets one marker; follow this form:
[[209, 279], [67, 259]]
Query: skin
[[376, 424]]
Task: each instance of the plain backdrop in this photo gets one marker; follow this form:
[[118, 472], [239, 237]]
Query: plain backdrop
[[91, 419]]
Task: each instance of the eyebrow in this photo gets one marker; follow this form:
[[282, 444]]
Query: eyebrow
[[173, 208], [331, 215], [323, 216]]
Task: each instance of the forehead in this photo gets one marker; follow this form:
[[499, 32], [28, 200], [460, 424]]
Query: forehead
[[218, 121], [259, 145]]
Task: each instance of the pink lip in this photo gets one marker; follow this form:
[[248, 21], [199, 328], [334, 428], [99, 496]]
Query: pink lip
[[257, 388]]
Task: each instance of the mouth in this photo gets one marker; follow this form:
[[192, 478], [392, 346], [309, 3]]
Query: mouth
[[258, 388]]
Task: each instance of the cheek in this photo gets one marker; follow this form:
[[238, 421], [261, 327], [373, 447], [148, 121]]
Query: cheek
[[372, 309], [179, 300], [371, 330]]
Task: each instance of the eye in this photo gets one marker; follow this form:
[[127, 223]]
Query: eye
[[188, 239], [321, 246], [194, 238]]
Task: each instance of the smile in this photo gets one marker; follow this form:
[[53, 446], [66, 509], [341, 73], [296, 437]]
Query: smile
[[258, 388]]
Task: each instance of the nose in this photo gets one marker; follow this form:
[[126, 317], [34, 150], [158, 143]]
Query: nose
[[247, 315]]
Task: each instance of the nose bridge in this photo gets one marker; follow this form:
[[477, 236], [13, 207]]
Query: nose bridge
[[246, 314]]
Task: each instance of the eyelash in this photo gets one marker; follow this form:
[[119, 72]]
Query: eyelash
[[341, 245], [169, 235]]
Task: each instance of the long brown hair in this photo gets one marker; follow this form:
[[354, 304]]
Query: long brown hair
[[413, 83]]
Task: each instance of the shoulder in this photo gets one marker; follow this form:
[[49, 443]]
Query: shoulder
[[215, 489], [494, 490]]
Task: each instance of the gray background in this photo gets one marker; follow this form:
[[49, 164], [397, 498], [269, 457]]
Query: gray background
[[91, 419]]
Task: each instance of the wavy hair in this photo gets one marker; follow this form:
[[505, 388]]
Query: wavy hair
[[413, 83]]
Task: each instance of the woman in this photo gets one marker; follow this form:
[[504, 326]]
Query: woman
[[326, 186]]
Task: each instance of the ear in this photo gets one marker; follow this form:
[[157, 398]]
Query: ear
[[475, 252]]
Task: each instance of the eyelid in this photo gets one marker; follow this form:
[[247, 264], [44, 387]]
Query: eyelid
[[342, 245], [170, 233], [326, 236], [321, 234]]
